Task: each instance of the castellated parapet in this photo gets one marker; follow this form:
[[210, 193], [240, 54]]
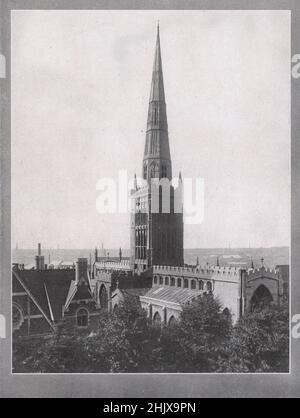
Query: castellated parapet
[[113, 265], [199, 272]]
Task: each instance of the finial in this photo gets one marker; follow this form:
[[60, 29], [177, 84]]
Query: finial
[[252, 264], [262, 261], [218, 262]]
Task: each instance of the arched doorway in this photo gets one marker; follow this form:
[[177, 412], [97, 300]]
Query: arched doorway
[[157, 319], [103, 297], [261, 298]]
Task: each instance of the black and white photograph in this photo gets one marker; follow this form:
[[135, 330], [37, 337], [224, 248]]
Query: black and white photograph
[[150, 197]]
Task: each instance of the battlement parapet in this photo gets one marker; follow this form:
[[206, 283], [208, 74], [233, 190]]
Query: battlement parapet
[[199, 271], [262, 270], [113, 265]]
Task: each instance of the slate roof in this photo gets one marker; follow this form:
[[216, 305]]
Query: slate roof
[[51, 289], [134, 292], [176, 295]]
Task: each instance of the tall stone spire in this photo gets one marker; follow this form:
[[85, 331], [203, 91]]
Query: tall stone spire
[[157, 160]]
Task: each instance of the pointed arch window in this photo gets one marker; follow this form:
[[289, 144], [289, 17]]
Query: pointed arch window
[[82, 317]]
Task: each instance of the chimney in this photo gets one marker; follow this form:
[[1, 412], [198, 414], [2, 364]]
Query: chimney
[[81, 270], [39, 259]]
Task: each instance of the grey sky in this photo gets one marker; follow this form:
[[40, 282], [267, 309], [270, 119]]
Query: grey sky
[[80, 89]]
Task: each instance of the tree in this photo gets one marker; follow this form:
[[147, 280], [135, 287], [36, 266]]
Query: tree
[[125, 339], [259, 342], [54, 354], [196, 342]]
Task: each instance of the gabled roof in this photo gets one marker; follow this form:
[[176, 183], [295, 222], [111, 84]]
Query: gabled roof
[[35, 290], [79, 291], [48, 289]]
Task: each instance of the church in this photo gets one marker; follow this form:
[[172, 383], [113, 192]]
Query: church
[[155, 272]]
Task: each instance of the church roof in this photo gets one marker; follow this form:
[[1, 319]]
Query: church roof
[[47, 288], [172, 294], [52, 289]]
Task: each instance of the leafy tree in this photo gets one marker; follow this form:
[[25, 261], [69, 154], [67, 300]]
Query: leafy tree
[[259, 343], [56, 354], [197, 340], [125, 339]]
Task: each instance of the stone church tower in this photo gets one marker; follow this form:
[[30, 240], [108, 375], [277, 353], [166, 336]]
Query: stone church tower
[[157, 225]]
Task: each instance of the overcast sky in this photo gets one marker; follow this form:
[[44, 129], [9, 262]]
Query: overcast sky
[[80, 90]]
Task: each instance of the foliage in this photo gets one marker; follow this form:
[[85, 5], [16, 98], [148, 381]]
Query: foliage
[[126, 339], [56, 354], [203, 340], [259, 343], [195, 343]]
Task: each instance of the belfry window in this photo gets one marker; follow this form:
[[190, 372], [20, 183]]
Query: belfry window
[[145, 172], [164, 171], [172, 281], [178, 282], [186, 283], [82, 317]]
